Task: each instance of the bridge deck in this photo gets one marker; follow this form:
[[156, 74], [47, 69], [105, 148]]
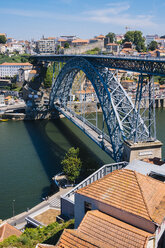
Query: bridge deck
[[88, 128], [149, 65]]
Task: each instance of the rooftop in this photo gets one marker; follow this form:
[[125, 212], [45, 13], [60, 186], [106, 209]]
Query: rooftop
[[80, 41], [130, 191], [76, 239], [145, 167], [7, 230], [114, 232], [21, 64]]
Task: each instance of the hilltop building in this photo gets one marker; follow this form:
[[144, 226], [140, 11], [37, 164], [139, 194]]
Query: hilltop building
[[46, 45], [12, 69]]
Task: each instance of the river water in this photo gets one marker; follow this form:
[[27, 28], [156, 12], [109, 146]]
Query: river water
[[31, 152]]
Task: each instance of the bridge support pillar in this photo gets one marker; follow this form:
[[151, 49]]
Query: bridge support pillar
[[142, 150]]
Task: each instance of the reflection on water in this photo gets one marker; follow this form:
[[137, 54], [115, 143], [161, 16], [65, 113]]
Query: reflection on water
[[31, 152]]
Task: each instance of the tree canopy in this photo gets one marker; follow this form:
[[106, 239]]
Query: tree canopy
[[112, 37], [48, 77], [153, 45], [66, 45], [136, 38], [2, 39], [72, 164]]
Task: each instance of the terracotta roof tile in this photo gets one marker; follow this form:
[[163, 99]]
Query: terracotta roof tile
[[130, 191], [22, 64], [7, 230], [113, 232], [76, 239], [45, 246], [80, 41]]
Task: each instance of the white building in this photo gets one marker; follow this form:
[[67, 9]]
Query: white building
[[150, 38], [3, 48], [46, 45], [2, 100], [11, 69]]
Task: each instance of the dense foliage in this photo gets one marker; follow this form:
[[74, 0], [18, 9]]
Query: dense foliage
[[14, 58], [153, 45], [48, 77], [2, 39], [31, 236], [66, 45], [112, 37], [95, 50], [72, 164], [136, 38]]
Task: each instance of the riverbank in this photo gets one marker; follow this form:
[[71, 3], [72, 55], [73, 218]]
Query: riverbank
[[52, 202]]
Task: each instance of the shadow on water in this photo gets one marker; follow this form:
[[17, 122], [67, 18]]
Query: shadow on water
[[52, 143], [88, 149]]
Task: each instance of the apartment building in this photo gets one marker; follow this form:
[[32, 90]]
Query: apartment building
[[12, 69], [150, 38], [46, 45]]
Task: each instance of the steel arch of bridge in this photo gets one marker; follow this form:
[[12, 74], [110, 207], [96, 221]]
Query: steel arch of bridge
[[118, 110]]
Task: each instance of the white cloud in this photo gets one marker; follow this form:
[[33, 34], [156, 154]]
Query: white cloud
[[113, 9], [113, 13], [117, 13]]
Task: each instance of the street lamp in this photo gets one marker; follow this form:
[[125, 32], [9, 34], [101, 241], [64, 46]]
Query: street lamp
[[13, 207]]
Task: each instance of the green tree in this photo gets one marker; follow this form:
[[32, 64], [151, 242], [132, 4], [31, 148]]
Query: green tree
[[66, 45], [2, 39], [129, 37], [112, 37], [48, 77], [136, 37], [153, 45], [72, 164]]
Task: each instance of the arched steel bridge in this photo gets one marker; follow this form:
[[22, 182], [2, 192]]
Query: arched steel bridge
[[124, 119]]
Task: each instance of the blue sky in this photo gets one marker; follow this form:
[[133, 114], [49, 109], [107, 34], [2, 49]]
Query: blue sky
[[28, 19]]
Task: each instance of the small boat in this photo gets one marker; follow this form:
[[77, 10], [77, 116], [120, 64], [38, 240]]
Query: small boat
[[3, 119]]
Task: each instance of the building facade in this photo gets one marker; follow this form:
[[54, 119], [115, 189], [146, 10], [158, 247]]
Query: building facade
[[12, 69], [46, 45]]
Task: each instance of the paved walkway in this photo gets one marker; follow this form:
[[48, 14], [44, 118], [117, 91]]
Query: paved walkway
[[54, 202]]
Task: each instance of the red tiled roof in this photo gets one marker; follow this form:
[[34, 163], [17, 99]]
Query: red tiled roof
[[21, 64], [76, 239], [7, 230], [100, 36], [33, 72], [112, 44], [130, 191], [80, 41], [45, 246], [61, 40], [114, 232]]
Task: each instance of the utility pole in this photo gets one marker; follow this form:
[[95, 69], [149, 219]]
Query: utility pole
[[13, 208]]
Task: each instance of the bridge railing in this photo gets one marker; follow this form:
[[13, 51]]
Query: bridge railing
[[100, 173], [88, 123], [68, 200]]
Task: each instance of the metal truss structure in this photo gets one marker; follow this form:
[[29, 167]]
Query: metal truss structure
[[151, 66], [125, 121]]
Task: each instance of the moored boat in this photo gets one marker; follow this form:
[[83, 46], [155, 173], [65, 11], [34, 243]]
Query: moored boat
[[3, 119]]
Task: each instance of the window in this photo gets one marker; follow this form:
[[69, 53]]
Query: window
[[87, 206]]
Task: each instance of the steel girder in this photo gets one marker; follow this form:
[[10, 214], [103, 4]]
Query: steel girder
[[122, 119], [152, 66], [63, 84], [132, 123]]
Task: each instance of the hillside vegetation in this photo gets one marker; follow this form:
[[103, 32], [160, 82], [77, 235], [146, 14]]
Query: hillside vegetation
[[32, 236]]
